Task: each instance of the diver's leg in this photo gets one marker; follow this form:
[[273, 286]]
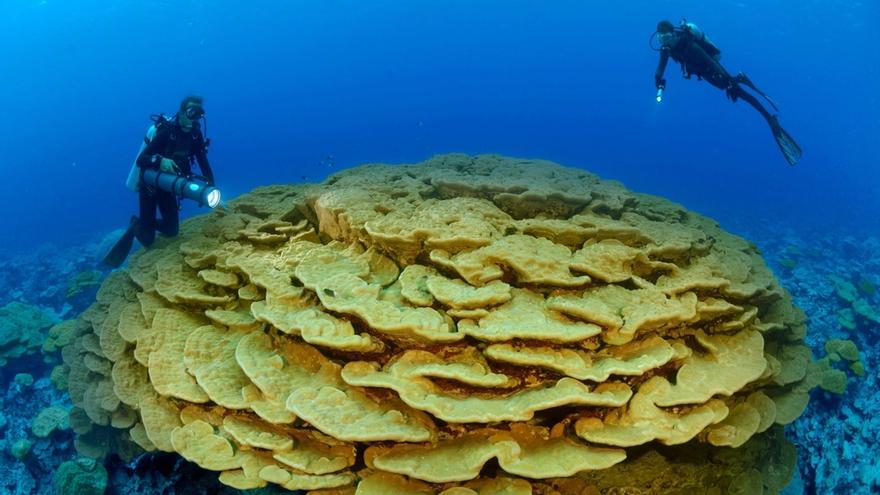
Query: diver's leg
[[168, 207], [146, 224], [737, 92], [715, 73], [741, 78]]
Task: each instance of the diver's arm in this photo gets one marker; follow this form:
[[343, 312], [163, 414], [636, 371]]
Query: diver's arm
[[149, 157], [659, 82]]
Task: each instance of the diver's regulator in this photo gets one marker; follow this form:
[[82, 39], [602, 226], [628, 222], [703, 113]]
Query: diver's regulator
[[184, 187]]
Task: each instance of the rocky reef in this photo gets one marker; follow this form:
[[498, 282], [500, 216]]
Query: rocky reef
[[467, 325], [832, 275], [60, 281], [34, 440]]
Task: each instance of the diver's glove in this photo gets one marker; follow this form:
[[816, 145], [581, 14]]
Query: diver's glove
[[659, 82], [167, 165]]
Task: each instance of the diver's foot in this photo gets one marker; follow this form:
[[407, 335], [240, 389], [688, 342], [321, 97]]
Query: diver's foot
[[742, 78], [132, 228], [117, 254]]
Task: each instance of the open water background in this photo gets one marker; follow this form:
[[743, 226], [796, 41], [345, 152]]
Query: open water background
[[297, 90]]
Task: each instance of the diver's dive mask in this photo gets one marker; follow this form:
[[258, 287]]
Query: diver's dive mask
[[194, 113], [666, 39]]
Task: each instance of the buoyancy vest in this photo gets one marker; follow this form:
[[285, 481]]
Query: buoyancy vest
[[159, 121]]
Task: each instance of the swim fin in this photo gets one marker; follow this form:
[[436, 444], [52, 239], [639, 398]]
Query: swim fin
[[786, 143], [742, 78], [119, 252]]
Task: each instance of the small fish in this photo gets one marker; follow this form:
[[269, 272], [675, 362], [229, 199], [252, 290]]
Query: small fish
[[328, 161]]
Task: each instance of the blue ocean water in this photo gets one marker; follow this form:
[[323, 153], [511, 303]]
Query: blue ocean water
[[301, 89], [296, 90]]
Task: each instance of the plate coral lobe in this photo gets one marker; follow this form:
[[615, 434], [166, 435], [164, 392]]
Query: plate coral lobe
[[466, 325]]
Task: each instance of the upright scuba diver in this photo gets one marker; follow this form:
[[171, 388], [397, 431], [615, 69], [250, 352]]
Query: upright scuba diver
[[162, 174], [698, 56]]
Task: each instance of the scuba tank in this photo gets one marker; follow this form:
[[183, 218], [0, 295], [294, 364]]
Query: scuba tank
[[133, 181], [700, 37]]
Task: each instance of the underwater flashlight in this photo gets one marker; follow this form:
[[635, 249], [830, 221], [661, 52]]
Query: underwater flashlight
[[183, 187], [659, 94]]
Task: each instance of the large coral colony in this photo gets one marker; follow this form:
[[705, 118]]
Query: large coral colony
[[467, 325]]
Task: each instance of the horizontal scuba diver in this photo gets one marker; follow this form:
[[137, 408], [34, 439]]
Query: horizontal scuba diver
[[698, 56], [169, 150]]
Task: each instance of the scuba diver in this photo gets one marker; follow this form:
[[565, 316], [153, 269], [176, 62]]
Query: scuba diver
[[162, 173], [698, 56]]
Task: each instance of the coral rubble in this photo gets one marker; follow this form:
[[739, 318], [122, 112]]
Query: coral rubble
[[465, 325]]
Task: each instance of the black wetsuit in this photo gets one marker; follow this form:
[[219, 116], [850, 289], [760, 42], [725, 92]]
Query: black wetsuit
[[696, 60], [184, 147]]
